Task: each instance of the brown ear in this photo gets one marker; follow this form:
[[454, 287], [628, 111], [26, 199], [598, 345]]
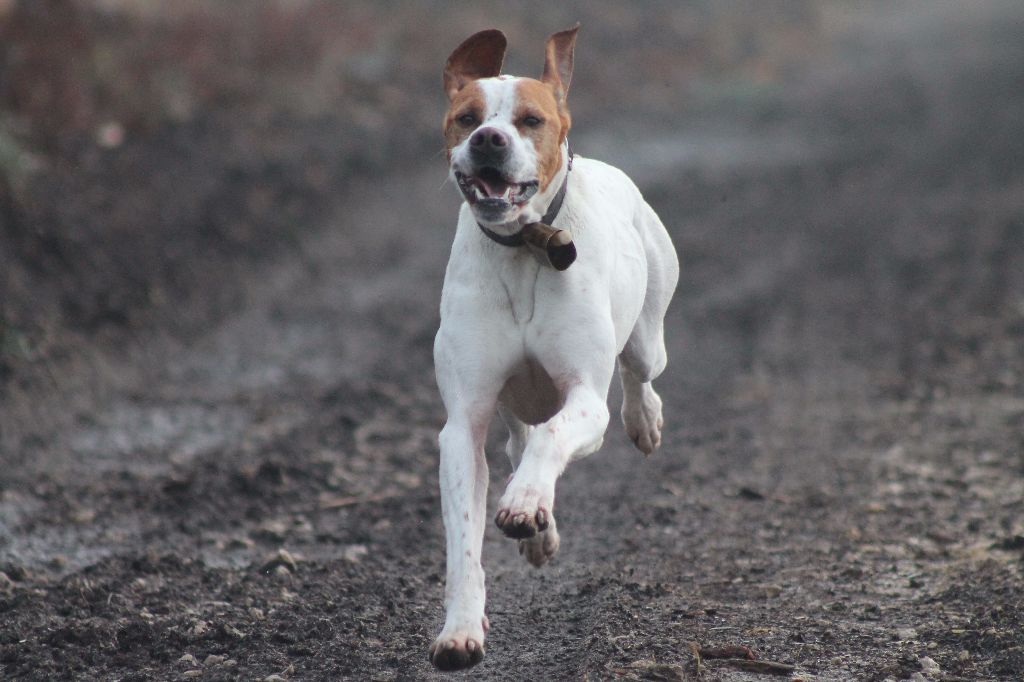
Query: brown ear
[[558, 61], [479, 56]]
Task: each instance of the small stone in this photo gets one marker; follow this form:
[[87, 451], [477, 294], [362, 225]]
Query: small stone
[[905, 634], [354, 553], [273, 530], [213, 659], [192, 673], [282, 558], [256, 614], [188, 659], [200, 628], [232, 631], [273, 678], [929, 666], [965, 655]]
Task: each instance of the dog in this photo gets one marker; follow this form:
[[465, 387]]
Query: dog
[[534, 334]]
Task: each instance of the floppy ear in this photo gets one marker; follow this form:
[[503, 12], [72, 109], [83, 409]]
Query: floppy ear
[[558, 61], [479, 56]]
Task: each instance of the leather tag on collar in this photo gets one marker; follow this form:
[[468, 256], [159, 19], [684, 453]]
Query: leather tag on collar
[[551, 245]]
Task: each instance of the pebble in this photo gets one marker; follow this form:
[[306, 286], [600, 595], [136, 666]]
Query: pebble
[[281, 558], [929, 666], [273, 530], [354, 553], [192, 673], [233, 631], [188, 659], [213, 659]]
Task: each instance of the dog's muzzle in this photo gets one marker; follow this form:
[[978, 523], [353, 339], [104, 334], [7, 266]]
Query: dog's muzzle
[[490, 189]]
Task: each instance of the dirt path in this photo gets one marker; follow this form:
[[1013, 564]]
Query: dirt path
[[840, 486]]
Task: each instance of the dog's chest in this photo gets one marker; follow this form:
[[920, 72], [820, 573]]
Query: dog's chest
[[516, 289]]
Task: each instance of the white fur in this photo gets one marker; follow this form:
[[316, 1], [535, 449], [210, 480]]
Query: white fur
[[540, 346]]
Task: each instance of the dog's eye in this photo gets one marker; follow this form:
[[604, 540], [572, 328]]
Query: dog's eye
[[467, 119], [532, 121]]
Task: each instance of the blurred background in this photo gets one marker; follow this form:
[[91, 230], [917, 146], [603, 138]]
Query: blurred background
[[151, 152], [223, 229]]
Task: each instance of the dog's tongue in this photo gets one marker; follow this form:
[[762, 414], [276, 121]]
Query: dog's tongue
[[493, 183], [495, 188]]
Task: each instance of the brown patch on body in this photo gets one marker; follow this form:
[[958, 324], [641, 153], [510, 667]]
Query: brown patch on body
[[537, 99]]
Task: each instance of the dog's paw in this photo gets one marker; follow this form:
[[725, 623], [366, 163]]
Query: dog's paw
[[539, 549], [457, 650], [643, 421], [519, 524], [525, 509]]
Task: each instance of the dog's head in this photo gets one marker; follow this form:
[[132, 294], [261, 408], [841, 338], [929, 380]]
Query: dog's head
[[505, 136]]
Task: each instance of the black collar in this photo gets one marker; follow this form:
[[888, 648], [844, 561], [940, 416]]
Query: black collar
[[553, 208]]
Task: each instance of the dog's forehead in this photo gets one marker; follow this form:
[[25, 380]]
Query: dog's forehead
[[502, 96]]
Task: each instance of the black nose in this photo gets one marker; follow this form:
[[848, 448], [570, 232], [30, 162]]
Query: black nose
[[489, 140]]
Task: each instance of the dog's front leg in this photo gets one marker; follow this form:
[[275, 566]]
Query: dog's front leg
[[527, 506], [463, 503]]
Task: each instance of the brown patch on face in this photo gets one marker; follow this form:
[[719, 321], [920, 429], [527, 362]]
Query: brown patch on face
[[537, 100], [469, 101]]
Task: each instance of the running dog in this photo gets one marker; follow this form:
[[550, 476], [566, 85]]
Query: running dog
[[559, 267]]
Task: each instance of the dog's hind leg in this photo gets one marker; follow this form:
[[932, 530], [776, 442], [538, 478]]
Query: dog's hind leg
[[518, 432], [640, 362], [641, 410], [539, 549], [644, 357]]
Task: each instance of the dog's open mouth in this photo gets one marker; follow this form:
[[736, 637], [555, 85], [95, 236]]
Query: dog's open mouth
[[491, 186]]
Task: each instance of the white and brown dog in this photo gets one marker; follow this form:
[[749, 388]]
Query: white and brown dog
[[535, 338]]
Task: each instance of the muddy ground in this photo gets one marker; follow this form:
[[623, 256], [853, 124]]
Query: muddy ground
[[218, 415]]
